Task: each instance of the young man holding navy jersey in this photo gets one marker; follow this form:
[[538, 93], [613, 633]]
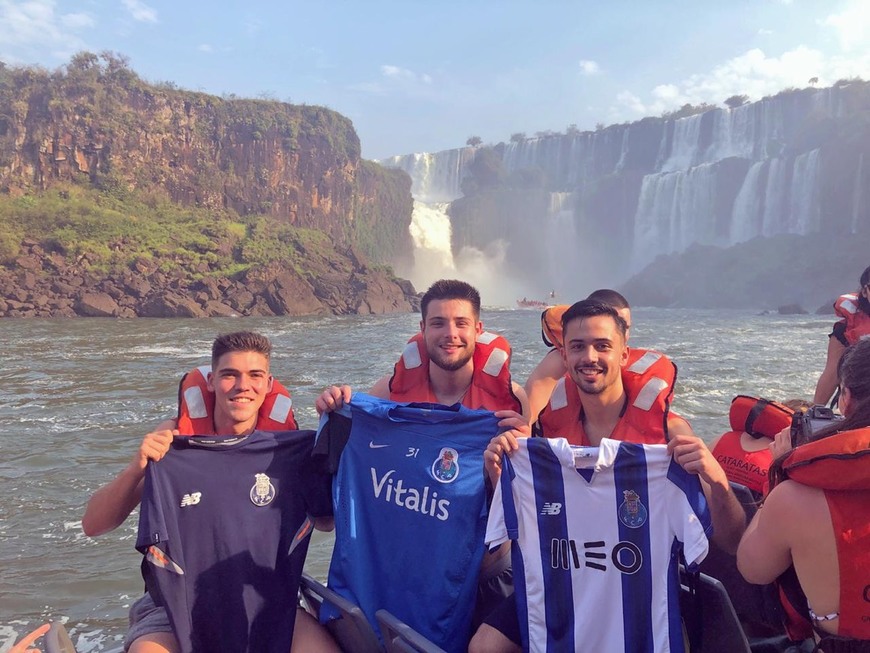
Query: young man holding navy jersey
[[240, 380]]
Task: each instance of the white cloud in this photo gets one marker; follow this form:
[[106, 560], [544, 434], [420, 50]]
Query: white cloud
[[765, 32], [852, 26], [205, 47], [77, 21], [752, 73], [588, 67], [140, 11], [33, 27]]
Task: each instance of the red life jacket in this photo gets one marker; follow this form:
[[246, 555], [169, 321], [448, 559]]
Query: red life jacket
[[196, 406], [648, 378], [857, 321], [491, 385], [759, 418], [840, 466]]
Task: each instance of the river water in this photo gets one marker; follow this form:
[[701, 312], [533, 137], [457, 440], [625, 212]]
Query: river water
[[79, 394]]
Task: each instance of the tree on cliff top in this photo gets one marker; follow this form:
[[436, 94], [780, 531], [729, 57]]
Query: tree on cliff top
[[736, 101], [474, 141]]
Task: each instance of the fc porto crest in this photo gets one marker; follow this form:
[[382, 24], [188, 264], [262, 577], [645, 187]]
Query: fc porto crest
[[632, 512], [263, 491], [446, 467]]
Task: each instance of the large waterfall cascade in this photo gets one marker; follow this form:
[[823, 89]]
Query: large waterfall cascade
[[717, 178]]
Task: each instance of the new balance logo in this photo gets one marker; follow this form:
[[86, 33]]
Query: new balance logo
[[191, 499], [551, 509]]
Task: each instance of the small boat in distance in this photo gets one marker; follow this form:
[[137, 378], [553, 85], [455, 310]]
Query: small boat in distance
[[537, 303], [531, 303]]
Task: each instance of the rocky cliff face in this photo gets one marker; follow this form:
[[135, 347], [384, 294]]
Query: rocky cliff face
[[96, 124], [46, 284]]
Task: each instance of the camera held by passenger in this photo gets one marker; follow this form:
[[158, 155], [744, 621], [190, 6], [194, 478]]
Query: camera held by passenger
[[806, 422]]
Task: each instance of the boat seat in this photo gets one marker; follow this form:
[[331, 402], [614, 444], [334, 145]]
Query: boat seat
[[351, 630], [712, 613], [757, 606], [399, 637]]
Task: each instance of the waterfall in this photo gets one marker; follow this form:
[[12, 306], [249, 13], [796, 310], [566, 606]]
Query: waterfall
[[746, 219], [805, 211], [623, 195], [858, 195]]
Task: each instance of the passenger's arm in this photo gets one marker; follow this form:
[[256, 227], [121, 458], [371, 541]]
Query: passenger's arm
[[828, 380], [381, 388], [542, 380], [726, 513], [112, 504], [520, 394], [764, 552]]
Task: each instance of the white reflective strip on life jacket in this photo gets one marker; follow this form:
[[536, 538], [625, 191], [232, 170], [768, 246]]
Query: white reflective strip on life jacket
[[643, 363], [648, 393], [195, 403], [205, 370], [848, 305], [559, 398], [281, 409], [495, 362], [486, 337], [411, 355]]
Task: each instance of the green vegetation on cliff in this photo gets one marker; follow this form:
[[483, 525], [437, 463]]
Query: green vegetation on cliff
[[96, 162], [112, 230]]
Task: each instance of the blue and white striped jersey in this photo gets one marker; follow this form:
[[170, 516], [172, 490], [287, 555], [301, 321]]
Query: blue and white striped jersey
[[597, 533]]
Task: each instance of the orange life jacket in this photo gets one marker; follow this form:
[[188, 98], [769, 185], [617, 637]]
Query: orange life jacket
[[857, 321], [196, 406], [648, 378], [840, 466], [760, 418], [491, 385], [551, 325]]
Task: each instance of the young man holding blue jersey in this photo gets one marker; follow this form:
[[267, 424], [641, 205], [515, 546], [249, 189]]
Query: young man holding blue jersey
[[452, 373], [594, 354]]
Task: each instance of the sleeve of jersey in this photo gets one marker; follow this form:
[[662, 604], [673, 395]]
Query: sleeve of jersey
[[501, 525], [689, 514], [317, 490], [152, 522], [332, 435]]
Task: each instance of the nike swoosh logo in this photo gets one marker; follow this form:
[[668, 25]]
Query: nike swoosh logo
[[372, 445]]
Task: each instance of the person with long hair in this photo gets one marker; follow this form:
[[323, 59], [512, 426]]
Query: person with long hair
[[817, 517], [854, 323]]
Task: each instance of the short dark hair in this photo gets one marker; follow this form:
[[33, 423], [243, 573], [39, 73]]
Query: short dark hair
[[451, 289], [592, 308], [608, 296], [240, 341], [865, 277]]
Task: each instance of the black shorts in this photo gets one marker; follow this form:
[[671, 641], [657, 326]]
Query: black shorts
[[504, 618], [492, 589]]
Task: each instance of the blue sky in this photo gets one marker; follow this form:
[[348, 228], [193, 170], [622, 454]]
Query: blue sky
[[417, 76]]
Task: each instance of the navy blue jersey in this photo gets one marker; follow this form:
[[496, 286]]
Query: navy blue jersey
[[410, 510], [224, 528]]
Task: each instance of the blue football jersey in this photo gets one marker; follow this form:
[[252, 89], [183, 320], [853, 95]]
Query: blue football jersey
[[410, 511], [224, 528], [597, 534]]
